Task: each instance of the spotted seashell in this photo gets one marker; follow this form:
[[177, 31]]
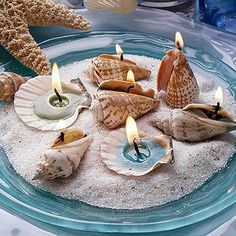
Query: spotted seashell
[[112, 108], [9, 84], [113, 155], [194, 123], [110, 67], [177, 79], [116, 6], [64, 156]]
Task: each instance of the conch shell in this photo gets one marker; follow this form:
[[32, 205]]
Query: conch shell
[[112, 107], [115, 150], [110, 67], [64, 155], [177, 79], [116, 6], [9, 84], [195, 123]]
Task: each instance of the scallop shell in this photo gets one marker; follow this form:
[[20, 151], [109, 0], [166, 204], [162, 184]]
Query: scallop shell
[[180, 83], [192, 124], [9, 84], [33, 89], [112, 108], [110, 67], [114, 146], [64, 157], [116, 6]]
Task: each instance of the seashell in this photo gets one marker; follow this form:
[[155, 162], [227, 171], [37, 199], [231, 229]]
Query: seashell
[[9, 84], [115, 151], [116, 6], [29, 92], [64, 156], [194, 123], [110, 67], [112, 108], [177, 79]]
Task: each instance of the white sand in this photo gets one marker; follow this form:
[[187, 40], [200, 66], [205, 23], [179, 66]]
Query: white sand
[[94, 183]]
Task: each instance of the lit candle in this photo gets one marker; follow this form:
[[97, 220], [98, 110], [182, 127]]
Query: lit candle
[[135, 153], [60, 102], [219, 99], [119, 52], [129, 86]]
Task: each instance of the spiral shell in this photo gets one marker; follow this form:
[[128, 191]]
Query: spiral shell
[[9, 84], [110, 67], [177, 79], [192, 123], [112, 108], [64, 156]]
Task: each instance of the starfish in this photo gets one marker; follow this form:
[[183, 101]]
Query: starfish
[[17, 15]]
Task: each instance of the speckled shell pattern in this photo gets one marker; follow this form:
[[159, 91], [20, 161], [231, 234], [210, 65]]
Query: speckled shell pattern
[[182, 88], [9, 84], [190, 126], [62, 161], [108, 67], [115, 107]]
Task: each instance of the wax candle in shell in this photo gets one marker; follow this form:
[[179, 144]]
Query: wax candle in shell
[[176, 77], [138, 153]]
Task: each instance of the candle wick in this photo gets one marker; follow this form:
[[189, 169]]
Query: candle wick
[[178, 46], [136, 147], [217, 108], [130, 87], [122, 57], [58, 95], [62, 136]]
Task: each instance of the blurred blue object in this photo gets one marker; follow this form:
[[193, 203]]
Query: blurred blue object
[[219, 13]]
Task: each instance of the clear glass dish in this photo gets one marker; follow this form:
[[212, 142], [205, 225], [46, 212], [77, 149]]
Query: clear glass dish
[[218, 193]]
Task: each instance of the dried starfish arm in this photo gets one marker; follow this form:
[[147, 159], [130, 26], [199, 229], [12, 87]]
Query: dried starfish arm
[[15, 37], [48, 13]]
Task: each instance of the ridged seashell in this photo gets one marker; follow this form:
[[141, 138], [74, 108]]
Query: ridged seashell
[[118, 156], [9, 84], [177, 79], [29, 92], [116, 6], [64, 156], [112, 108], [110, 67], [192, 123]]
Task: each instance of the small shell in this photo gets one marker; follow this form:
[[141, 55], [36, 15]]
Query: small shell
[[64, 156], [177, 79], [112, 108], [34, 88], [110, 67], [192, 124], [116, 6], [9, 84], [115, 153]]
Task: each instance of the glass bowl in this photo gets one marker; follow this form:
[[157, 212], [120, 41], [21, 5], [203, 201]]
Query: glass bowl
[[39, 207]]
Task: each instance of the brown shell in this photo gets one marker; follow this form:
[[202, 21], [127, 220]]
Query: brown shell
[[9, 84], [110, 67], [113, 108]]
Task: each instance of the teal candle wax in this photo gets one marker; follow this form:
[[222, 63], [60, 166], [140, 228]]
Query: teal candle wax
[[150, 153]]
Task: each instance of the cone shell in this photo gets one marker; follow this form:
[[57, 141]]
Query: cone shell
[[193, 125], [112, 108], [116, 6], [9, 84], [112, 154], [64, 157], [182, 88], [110, 67]]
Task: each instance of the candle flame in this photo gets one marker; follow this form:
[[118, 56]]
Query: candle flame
[[131, 130], [219, 95], [56, 81], [179, 42], [130, 76], [119, 50]]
